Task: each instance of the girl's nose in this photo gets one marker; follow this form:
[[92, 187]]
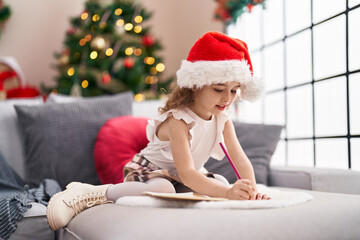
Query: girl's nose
[[226, 97]]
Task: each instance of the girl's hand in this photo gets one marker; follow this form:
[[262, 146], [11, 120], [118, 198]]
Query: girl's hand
[[241, 190], [260, 196]]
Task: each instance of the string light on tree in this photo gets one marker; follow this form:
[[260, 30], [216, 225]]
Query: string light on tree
[[106, 46], [120, 22], [82, 42], [149, 60], [151, 80], [137, 52], [70, 71], [98, 43], [118, 11], [93, 55], [153, 71], [137, 29], [109, 52], [96, 18], [88, 37], [139, 97], [84, 83], [84, 15], [128, 26], [138, 19], [129, 51], [160, 67]]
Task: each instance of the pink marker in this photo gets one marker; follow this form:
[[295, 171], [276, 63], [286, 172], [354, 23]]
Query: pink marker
[[230, 161]]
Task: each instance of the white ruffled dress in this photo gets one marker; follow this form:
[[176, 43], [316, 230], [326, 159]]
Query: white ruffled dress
[[205, 136]]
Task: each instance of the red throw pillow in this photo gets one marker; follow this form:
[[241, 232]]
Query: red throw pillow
[[118, 140]]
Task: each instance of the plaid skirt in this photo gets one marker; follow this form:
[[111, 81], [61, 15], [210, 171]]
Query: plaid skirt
[[140, 169]]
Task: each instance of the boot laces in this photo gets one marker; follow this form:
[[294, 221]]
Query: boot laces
[[86, 201]]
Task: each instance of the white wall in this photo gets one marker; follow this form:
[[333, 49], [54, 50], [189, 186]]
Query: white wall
[[36, 30]]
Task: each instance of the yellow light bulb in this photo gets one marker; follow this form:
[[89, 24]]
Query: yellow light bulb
[[109, 52], [96, 18], [93, 55], [137, 29], [84, 84], [153, 71], [118, 11], [71, 71], [84, 16], [138, 19], [128, 26], [129, 51], [149, 60], [120, 22], [139, 97], [151, 80], [160, 67]]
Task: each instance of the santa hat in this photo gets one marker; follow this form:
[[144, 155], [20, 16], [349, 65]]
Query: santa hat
[[216, 58], [13, 64]]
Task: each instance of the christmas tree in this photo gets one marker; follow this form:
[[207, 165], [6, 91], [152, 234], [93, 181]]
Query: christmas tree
[[109, 50]]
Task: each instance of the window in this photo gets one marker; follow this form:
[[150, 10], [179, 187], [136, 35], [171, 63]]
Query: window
[[307, 53]]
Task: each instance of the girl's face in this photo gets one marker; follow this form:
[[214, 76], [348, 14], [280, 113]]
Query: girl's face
[[213, 99]]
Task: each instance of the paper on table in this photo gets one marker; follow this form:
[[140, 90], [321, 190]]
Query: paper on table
[[184, 196]]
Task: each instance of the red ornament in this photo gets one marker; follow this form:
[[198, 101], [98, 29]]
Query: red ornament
[[129, 62], [106, 78], [250, 7], [222, 14], [70, 31], [148, 40], [66, 52]]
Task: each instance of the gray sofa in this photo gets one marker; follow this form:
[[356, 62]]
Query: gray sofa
[[334, 213]]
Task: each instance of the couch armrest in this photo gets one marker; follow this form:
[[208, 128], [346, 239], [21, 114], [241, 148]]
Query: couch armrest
[[317, 179]]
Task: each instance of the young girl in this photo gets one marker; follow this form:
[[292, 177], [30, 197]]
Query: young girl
[[191, 125]]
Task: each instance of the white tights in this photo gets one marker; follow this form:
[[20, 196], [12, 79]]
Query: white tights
[[153, 185], [137, 188]]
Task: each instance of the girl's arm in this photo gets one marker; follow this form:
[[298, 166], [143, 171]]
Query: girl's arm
[[178, 134], [241, 161]]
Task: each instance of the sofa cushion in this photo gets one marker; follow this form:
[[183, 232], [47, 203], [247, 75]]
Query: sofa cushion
[[259, 142], [327, 216], [116, 144], [11, 141], [316, 179], [60, 137]]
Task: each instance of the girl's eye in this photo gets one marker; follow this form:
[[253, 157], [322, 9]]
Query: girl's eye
[[233, 91], [218, 90]]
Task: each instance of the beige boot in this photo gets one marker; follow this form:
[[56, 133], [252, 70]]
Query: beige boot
[[77, 197]]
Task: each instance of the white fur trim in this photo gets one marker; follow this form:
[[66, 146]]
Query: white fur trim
[[201, 73], [252, 90], [13, 64]]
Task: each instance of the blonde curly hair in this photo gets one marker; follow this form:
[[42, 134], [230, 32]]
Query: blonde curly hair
[[178, 98]]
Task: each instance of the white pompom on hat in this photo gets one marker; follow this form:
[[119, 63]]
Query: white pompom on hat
[[216, 58]]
